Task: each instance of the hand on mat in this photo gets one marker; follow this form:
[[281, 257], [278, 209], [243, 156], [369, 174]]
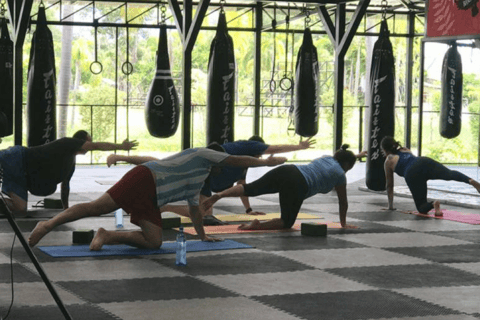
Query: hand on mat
[[211, 239], [348, 226], [256, 213], [390, 209]]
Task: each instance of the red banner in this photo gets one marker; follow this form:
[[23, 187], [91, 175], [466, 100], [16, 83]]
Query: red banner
[[447, 18]]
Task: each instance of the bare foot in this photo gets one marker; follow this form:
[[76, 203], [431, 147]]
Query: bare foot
[[254, 225], [111, 160], [38, 233], [207, 204], [98, 240], [475, 184], [436, 206]]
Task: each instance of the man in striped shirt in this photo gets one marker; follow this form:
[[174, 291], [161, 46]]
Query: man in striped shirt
[[148, 186]]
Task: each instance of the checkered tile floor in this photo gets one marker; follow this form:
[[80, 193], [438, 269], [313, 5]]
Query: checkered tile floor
[[394, 266]]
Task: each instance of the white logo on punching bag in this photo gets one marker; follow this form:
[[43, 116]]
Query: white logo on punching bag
[[226, 111], [451, 97], [48, 95], [377, 99], [172, 98], [158, 100]]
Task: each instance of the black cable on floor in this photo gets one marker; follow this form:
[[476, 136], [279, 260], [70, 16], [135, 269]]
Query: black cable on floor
[[11, 256], [11, 278]]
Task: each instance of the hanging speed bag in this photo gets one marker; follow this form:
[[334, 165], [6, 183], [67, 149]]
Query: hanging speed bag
[[6, 80], [41, 97], [221, 86], [162, 105], [306, 88], [452, 87], [382, 107]]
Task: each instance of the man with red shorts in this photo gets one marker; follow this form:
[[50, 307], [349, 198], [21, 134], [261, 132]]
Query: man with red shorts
[[147, 187]]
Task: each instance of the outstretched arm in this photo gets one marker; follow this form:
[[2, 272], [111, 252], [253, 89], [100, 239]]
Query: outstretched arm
[[307, 144], [247, 161], [107, 146], [114, 158]]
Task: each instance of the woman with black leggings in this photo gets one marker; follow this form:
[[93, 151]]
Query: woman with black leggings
[[417, 171], [294, 184]]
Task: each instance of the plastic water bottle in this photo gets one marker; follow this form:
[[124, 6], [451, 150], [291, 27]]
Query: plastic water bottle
[[119, 218], [181, 248]]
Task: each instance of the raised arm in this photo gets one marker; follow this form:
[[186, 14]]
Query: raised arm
[[136, 160], [247, 161], [108, 146], [307, 144]]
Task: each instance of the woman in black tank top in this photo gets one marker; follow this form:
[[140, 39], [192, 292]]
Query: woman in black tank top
[[416, 176]]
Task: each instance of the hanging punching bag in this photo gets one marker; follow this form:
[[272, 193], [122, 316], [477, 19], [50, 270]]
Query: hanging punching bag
[[41, 91], [382, 107], [162, 105], [6, 81], [306, 88], [221, 86], [452, 87]]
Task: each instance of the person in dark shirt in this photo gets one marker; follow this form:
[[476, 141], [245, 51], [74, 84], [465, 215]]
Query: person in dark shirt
[[417, 171], [40, 169]]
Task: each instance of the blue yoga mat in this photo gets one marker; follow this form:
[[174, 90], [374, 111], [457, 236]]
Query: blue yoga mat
[[124, 250]]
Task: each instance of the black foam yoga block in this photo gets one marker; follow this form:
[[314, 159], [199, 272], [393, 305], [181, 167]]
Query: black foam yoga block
[[83, 236], [50, 203], [313, 229], [170, 223]]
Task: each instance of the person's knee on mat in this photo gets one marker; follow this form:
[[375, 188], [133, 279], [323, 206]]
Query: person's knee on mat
[[154, 244]]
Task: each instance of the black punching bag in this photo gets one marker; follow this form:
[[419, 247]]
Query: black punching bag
[[306, 88], [382, 107], [221, 86], [6, 81], [161, 109], [41, 100], [452, 86]]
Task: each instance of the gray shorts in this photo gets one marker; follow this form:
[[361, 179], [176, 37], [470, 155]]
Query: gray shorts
[[12, 161]]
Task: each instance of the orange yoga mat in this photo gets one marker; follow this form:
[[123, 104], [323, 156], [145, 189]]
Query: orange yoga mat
[[233, 228], [470, 218]]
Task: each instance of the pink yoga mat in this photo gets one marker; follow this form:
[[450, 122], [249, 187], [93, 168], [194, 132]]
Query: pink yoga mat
[[233, 228], [470, 218]]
